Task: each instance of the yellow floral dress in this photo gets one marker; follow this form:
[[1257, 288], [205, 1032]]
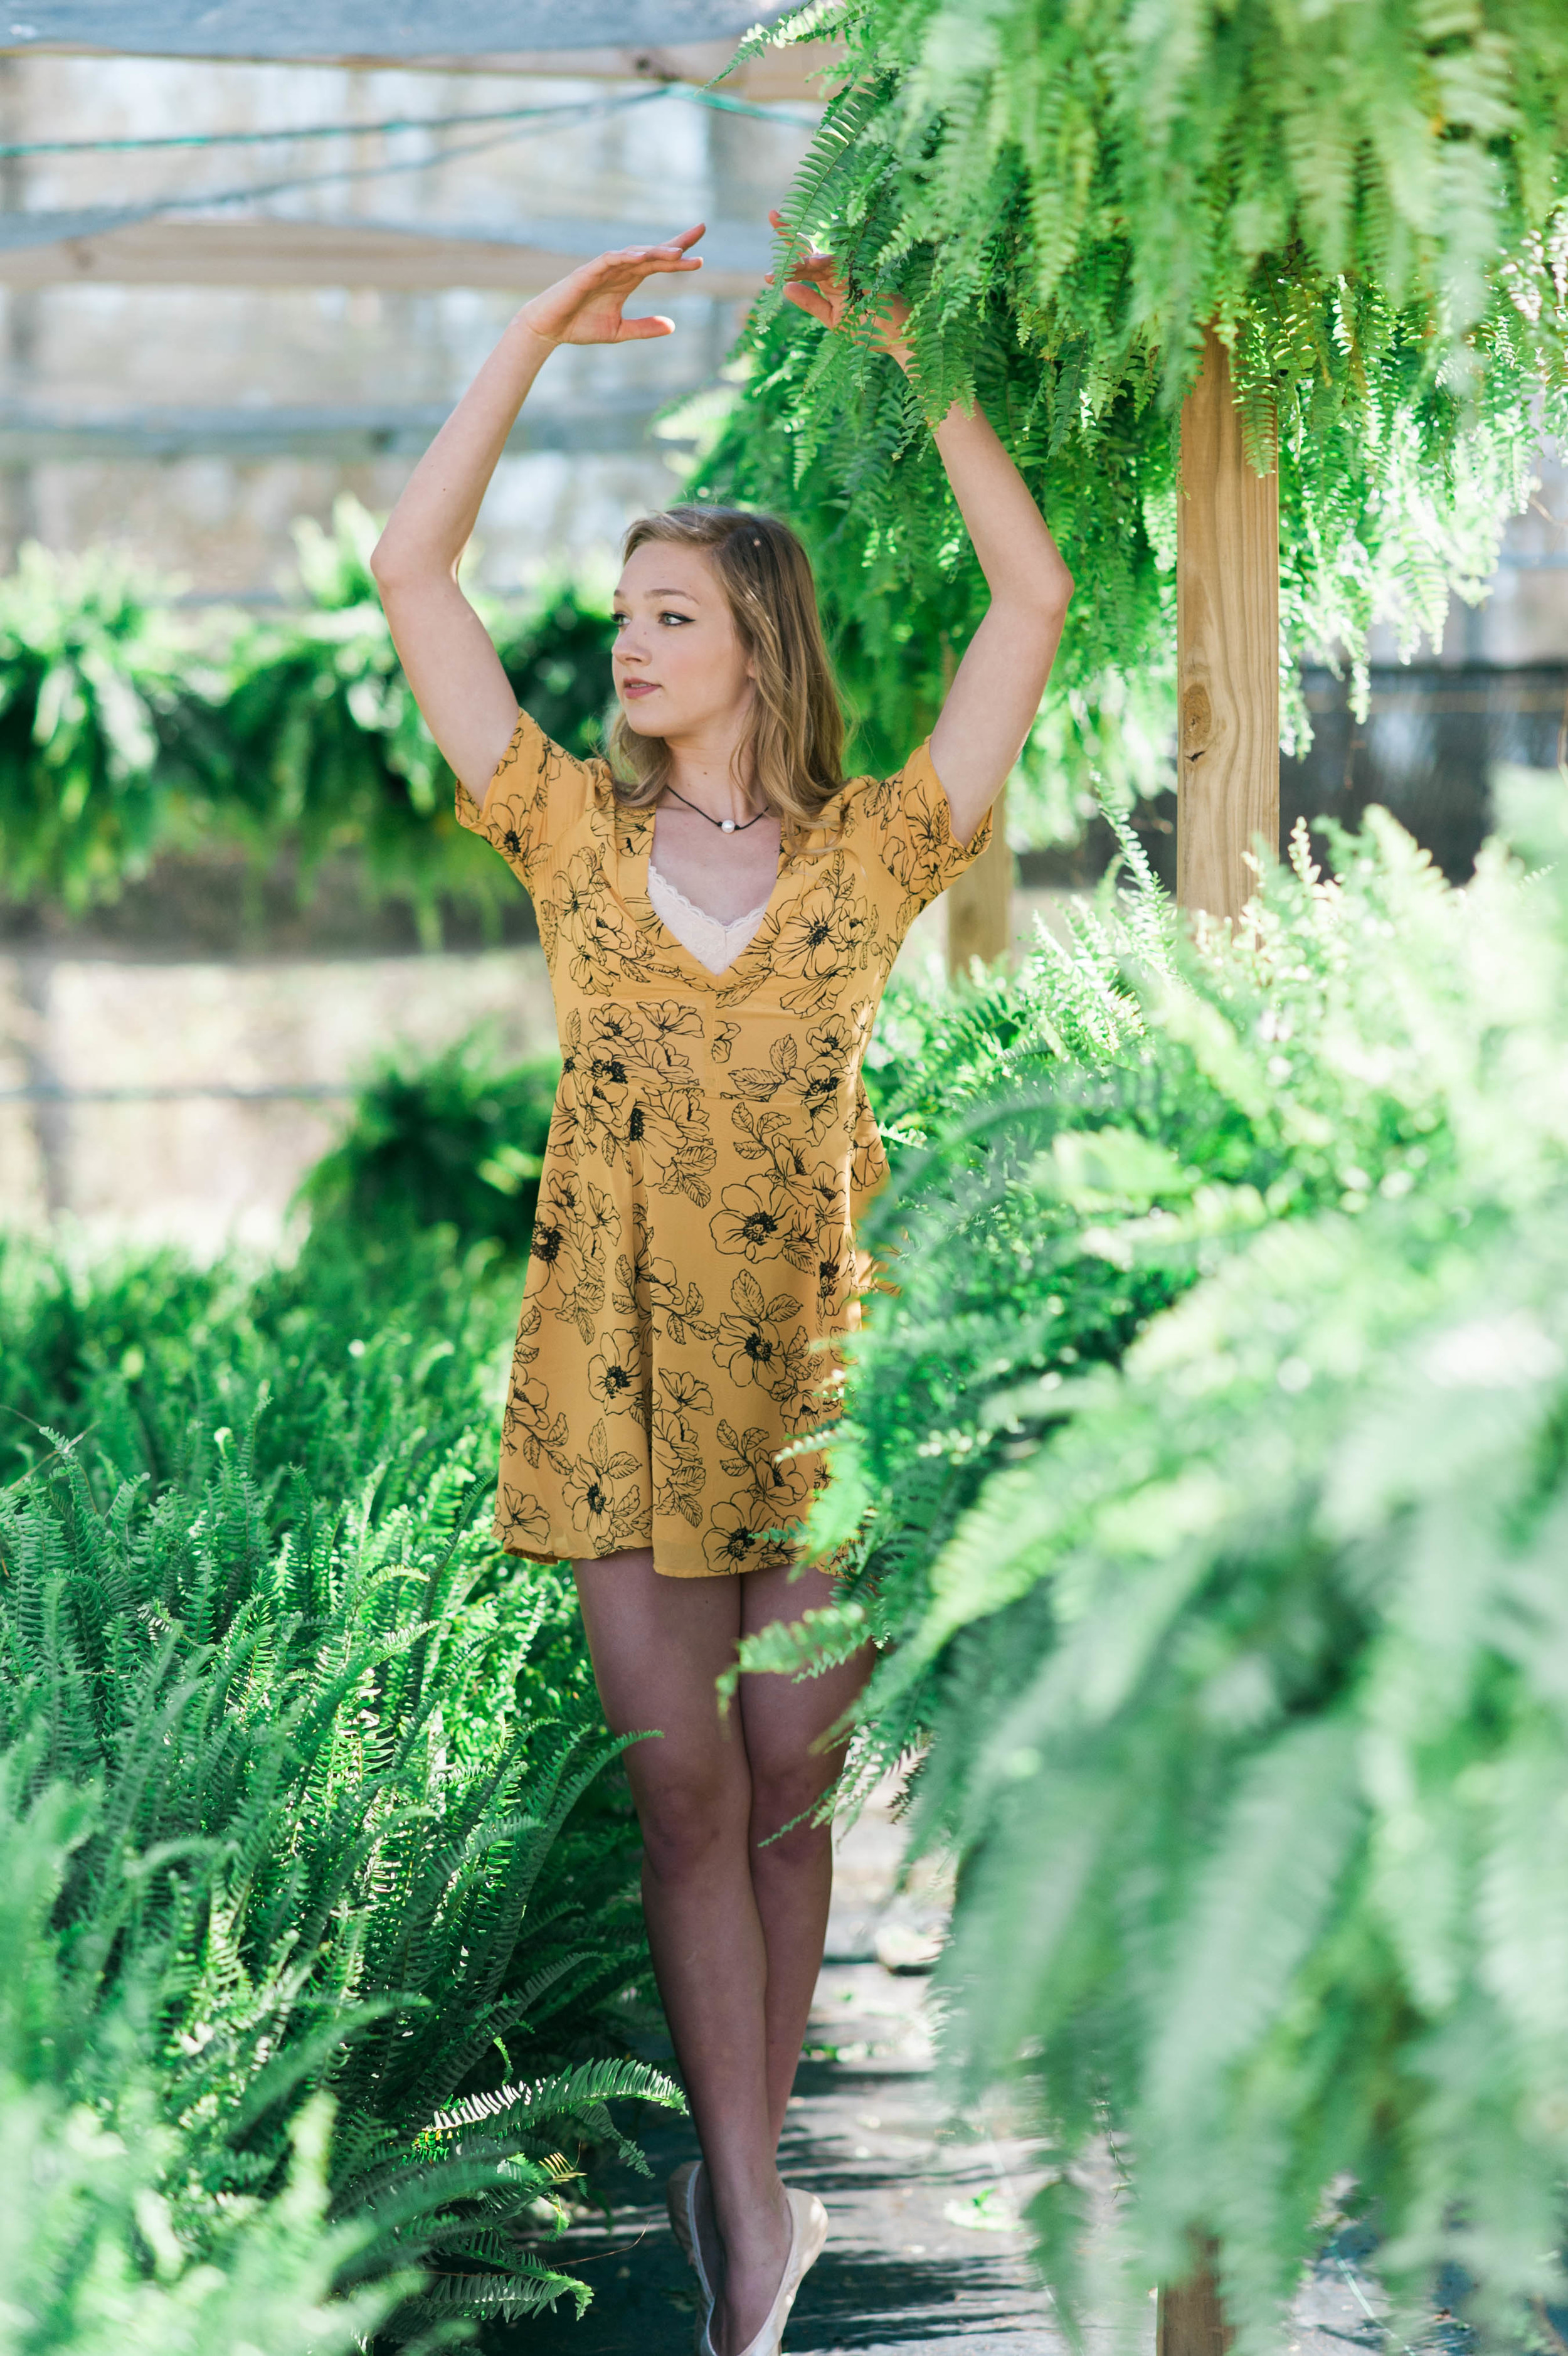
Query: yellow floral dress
[[692, 1260]]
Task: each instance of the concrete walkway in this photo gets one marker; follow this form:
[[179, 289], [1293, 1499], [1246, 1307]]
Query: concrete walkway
[[925, 2253]]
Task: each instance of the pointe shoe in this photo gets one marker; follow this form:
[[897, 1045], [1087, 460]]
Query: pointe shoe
[[808, 2233], [680, 2197]]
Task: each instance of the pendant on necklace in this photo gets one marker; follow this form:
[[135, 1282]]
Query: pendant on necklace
[[726, 825]]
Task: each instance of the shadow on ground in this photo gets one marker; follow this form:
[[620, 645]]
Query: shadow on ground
[[878, 2286]]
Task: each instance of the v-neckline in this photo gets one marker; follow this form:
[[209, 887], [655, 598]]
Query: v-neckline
[[649, 918]]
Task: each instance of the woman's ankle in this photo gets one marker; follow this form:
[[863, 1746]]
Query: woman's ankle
[[750, 2214]]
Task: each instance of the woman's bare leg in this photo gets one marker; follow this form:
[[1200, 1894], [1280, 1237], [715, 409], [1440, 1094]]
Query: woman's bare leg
[[659, 1646], [735, 1964], [792, 1877]]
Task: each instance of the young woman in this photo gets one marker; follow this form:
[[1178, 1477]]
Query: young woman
[[720, 909]]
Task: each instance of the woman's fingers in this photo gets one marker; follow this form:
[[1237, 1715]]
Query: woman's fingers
[[811, 299], [671, 253], [625, 271], [585, 307], [812, 282], [814, 287], [634, 331], [655, 256], [809, 263], [641, 259]]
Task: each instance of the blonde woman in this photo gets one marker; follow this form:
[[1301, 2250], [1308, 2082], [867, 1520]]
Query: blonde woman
[[720, 908]]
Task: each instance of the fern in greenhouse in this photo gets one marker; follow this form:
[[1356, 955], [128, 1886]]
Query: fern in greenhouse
[[445, 1139], [1207, 1478], [325, 1841], [320, 736], [129, 729], [1366, 203], [93, 2263], [95, 683], [352, 1838]]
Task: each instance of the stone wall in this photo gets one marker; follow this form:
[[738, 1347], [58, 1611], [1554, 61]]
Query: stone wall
[[184, 1102]]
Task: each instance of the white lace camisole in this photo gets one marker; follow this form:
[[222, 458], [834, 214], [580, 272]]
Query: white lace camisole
[[714, 944]]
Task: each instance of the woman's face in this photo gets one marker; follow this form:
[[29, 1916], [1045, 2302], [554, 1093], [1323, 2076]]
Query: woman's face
[[680, 667]]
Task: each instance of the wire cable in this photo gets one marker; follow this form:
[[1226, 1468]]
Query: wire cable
[[570, 110], [206, 200]]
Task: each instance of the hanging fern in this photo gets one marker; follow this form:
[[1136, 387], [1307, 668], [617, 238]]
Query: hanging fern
[[128, 729], [94, 681], [319, 732], [1367, 202]]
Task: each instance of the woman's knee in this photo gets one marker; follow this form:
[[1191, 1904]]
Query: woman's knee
[[785, 1800], [689, 1813]]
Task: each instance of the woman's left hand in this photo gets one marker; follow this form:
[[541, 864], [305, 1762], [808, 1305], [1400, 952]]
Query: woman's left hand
[[996, 694], [813, 283]]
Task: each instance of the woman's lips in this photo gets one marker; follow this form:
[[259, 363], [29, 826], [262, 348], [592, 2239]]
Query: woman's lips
[[639, 687]]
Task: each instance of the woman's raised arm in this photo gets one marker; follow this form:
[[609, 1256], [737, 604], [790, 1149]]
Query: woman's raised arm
[[996, 693], [445, 649]]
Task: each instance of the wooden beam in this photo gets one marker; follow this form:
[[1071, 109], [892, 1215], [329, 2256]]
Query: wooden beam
[[352, 434], [980, 904], [1227, 652], [777, 74], [309, 253]]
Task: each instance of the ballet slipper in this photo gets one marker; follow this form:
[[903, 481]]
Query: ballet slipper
[[680, 2197], [809, 2231]]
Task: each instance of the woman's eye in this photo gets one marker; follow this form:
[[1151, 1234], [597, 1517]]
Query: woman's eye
[[675, 618], [620, 620]]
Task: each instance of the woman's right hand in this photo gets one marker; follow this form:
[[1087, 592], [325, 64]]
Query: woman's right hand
[[445, 650], [586, 307]]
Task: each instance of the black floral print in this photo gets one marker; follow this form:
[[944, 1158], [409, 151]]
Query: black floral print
[[599, 1489], [693, 1262]]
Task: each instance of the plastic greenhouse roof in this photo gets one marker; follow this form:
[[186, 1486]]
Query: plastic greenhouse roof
[[379, 28]]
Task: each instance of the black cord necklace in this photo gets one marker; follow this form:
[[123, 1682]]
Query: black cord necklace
[[725, 825]]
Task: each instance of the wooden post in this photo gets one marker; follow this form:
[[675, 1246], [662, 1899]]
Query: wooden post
[[1227, 665], [1227, 649], [1191, 2320], [980, 904]]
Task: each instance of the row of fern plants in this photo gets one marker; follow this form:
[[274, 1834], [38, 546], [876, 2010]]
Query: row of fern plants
[[133, 726], [1205, 1483], [324, 1956]]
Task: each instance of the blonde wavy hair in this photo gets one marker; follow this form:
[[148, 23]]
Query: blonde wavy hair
[[792, 752]]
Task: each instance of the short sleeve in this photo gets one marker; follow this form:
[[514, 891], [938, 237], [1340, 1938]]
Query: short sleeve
[[535, 793], [912, 823]]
